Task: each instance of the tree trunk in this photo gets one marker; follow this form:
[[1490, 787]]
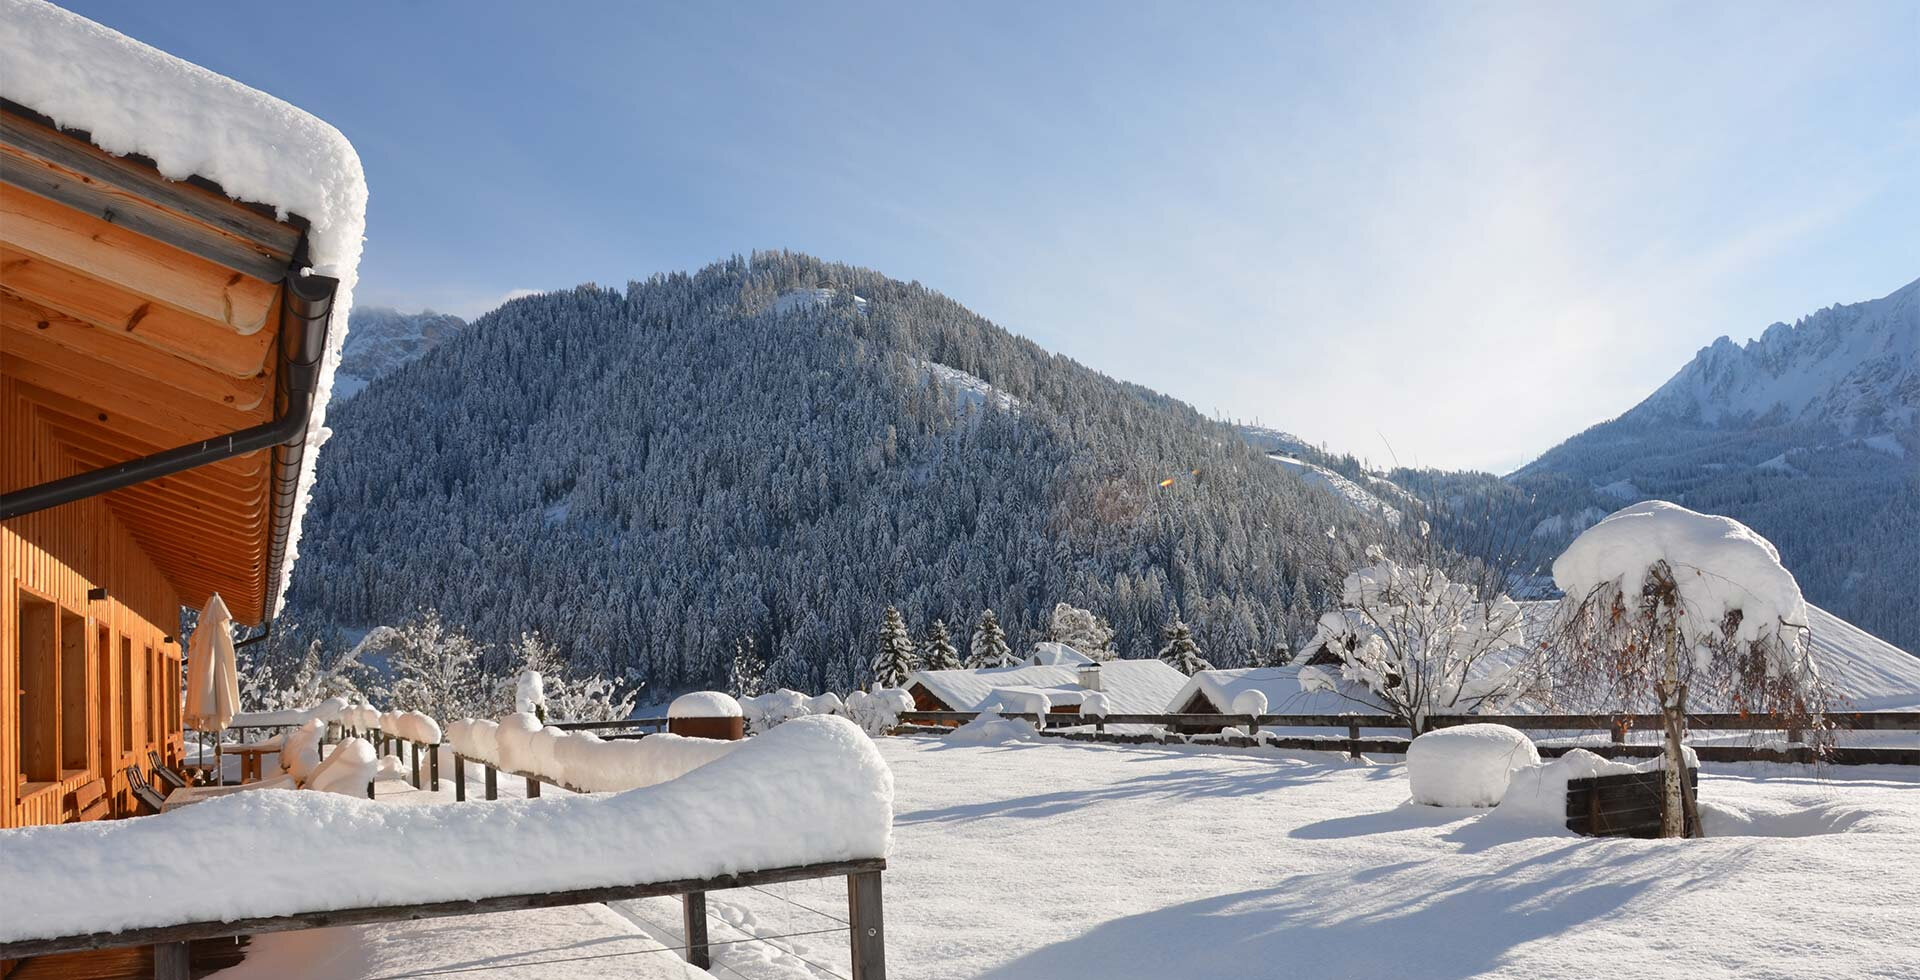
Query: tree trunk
[[1672, 705]]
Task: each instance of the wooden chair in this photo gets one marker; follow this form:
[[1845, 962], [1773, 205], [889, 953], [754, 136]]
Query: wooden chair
[[90, 801], [143, 792], [164, 774]]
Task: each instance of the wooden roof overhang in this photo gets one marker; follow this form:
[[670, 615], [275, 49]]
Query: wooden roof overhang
[[163, 338]]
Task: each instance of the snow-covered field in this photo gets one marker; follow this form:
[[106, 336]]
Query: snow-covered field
[[1064, 860]]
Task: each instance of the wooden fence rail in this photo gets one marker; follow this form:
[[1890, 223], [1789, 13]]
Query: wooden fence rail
[[1055, 723]]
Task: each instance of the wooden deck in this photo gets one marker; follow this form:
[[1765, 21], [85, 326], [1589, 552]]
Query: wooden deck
[[128, 963]]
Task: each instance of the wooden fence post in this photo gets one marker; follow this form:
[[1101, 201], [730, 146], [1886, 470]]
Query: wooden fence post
[[693, 907], [493, 789], [866, 930], [1353, 742], [459, 778], [1253, 725], [171, 962], [533, 788], [1619, 731], [415, 746], [433, 768]]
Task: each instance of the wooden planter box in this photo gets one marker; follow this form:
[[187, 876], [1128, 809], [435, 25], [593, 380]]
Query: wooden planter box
[[727, 729], [1627, 805]]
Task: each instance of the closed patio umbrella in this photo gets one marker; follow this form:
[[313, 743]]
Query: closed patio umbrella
[[213, 682]]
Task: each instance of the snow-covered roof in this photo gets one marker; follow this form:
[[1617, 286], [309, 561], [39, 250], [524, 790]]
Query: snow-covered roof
[[131, 98], [1867, 672], [1281, 685], [1131, 686], [1056, 654]]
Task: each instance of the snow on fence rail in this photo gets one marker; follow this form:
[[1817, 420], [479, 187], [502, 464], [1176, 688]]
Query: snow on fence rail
[[810, 800], [1053, 723]]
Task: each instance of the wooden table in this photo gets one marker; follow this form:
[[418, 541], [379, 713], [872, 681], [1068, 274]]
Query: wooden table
[[250, 753]]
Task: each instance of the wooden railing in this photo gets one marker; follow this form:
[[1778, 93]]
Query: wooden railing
[[867, 937], [1054, 723]]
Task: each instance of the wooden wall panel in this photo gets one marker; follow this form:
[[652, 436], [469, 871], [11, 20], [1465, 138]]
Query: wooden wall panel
[[59, 555]]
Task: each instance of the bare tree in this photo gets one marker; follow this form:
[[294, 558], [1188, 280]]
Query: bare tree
[[1415, 643]]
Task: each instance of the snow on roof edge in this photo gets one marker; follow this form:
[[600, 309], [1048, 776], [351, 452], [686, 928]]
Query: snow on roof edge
[[131, 97]]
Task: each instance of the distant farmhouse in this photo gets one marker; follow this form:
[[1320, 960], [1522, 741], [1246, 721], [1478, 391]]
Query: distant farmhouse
[[1064, 675]]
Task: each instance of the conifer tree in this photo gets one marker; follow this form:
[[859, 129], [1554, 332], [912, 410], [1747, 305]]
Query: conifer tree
[[989, 647], [747, 675], [895, 660], [1180, 650], [936, 649]]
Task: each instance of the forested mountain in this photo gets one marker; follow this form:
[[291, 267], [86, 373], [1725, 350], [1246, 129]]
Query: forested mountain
[[1806, 433], [778, 448], [381, 339]]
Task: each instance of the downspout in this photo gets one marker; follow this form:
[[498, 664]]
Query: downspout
[[306, 314]]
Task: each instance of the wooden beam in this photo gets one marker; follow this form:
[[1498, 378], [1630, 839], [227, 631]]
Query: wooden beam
[[118, 311], [82, 344], [134, 262], [81, 176], [866, 926], [125, 427], [115, 391], [21, 949]]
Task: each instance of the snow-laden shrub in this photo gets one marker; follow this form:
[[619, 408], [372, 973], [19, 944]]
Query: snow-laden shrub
[[1250, 702], [1093, 705], [879, 711], [825, 704], [1035, 703], [772, 708], [1467, 766]]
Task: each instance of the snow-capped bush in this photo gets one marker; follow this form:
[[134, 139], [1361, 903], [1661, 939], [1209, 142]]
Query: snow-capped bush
[[772, 708], [1093, 705], [1467, 766], [878, 712], [1250, 702], [988, 728]]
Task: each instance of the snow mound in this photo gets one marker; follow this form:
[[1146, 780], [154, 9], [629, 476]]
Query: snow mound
[[704, 704], [1093, 705], [1469, 765], [991, 729], [346, 770], [1719, 564], [332, 709], [814, 791]]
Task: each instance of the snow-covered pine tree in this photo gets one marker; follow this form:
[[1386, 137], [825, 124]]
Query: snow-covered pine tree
[[989, 647], [747, 675], [1180, 651], [895, 661], [936, 650], [1081, 630]]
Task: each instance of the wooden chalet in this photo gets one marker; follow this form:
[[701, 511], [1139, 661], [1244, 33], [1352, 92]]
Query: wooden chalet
[[160, 352]]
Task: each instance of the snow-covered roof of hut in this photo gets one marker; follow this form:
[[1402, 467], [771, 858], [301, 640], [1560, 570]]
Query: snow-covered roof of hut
[[129, 98], [1280, 685], [1049, 653], [1131, 686]]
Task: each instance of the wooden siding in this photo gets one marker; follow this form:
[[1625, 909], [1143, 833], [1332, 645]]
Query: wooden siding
[[56, 556]]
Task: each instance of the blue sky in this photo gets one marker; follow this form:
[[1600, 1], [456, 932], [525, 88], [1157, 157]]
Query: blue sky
[[1464, 232]]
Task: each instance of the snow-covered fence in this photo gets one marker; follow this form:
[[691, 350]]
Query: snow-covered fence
[[1354, 744], [577, 760], [812, 800]]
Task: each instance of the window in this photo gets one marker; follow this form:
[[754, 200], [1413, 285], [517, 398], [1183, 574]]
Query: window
[[103, 687], [123, 690], [73, 691], [39, 693], [155, 682]]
